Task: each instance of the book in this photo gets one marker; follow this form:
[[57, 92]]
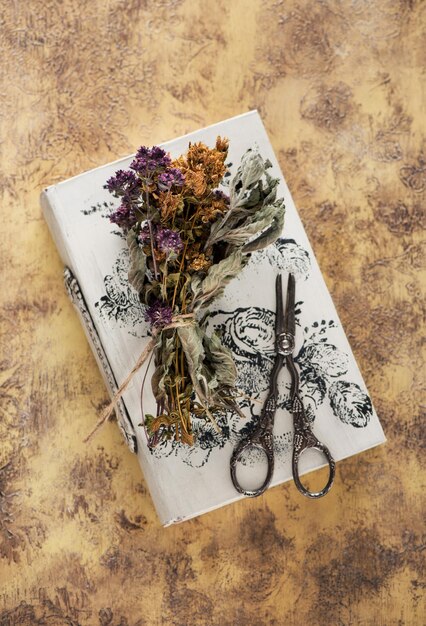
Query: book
[[186, 481]]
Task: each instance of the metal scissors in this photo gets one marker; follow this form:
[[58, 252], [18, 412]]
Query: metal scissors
[[262, 436]]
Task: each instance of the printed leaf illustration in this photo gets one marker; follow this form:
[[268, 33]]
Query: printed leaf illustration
[[121, 268], [350, 404], [115, 294], [324, 359]]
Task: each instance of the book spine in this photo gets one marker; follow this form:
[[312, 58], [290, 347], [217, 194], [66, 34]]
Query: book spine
[[76, 295], [77, 298]]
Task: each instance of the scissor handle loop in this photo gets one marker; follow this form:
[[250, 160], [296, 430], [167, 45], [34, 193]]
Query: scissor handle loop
[[236, 458], [297, 452]]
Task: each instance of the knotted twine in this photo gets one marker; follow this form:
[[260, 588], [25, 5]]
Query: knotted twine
[[185, 319]]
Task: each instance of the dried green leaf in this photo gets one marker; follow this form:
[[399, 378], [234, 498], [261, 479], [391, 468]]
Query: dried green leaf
[[137, 266], [246, 202], [253, 224], [271, 189], [152, 291], [271, 234], [218, 276], [219, 360], [250, 171], [172, 279], [164, 355], [191, 339]]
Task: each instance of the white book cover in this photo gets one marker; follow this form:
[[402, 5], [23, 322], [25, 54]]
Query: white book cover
[[187, 481]]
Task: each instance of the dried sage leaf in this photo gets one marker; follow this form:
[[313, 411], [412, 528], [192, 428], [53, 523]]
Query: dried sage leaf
[[250, 171], [164, 355], [218, 276], [251, 189], [137, 261], [220, 360], [269, 235], [253, 225], [191, 339]]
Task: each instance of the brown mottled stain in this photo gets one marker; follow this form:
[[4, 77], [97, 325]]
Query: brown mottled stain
[[362, 567], [60, 609], [414, 546], [12, 541], [259, 529], [107, 618], [264, 551], [180, 598], [390, 328], [127, 524], [80, 504], [211, 550], [409, 435], [22, 615], [400, 218], [327, 107], [114, 560], [308, 33], [414, 176], [401, 213], [94, 473], [82, 84], [179, 568], [37, 307]]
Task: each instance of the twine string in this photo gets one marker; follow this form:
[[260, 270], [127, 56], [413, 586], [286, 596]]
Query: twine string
[[178, 321]]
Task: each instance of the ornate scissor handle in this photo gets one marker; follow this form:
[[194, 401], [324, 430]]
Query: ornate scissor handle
[[265, 444], [306, 440]]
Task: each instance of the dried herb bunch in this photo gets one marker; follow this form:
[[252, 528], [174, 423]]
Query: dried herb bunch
[[187, 239]]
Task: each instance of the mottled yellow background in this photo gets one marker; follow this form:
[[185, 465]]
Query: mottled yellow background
[[340, 86]]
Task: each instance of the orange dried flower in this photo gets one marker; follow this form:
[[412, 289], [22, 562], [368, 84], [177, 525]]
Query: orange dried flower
[[222, 144], [218, 206], [203, 167], [200, 262], [196, 182], [169, 204]]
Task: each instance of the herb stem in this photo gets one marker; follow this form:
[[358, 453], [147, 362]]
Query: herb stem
[[151, 234], [178, 281]]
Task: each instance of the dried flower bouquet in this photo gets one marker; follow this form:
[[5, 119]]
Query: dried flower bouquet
[[187, 240]]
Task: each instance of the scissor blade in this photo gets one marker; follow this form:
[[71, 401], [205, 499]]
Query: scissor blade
[[289, 319], [279, 319]]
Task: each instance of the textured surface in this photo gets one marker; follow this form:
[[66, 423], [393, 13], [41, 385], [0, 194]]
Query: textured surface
[[340, 87]]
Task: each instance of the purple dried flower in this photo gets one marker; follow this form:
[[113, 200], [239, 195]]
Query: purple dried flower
[[149, 160], [122, 182], [220, 195], [125, 216], [168, 240], [159, 314], [171, 177]]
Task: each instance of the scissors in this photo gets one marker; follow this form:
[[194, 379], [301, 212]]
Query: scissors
[[262, 436]]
